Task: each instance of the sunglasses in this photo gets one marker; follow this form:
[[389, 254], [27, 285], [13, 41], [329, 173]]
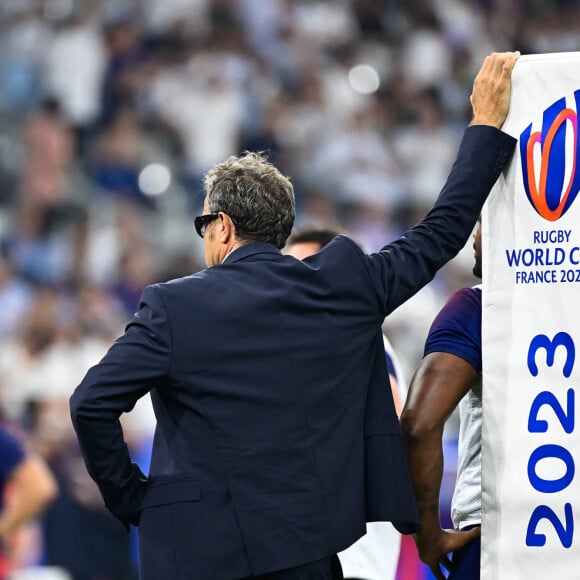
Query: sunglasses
[[201, 222]]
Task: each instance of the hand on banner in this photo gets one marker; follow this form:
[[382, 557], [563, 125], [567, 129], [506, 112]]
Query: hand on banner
[[490, 98], [435, 545]]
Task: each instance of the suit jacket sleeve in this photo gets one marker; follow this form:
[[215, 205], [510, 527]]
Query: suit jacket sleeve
[[388, 488], [136, 362], [403, 267]]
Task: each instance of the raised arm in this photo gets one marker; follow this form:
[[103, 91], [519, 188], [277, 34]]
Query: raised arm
[[403, 267]]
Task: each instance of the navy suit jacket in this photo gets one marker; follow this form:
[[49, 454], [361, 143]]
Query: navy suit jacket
[[270, 396]]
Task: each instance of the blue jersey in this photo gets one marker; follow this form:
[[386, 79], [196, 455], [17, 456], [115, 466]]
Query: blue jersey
[[457, 331], [457, 328]]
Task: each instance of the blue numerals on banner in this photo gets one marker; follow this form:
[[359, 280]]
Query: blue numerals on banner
[[541, 341], [565, 419], [565, 531], [547, 398]]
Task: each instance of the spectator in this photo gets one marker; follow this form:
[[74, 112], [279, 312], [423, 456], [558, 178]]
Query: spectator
[[26, 489]]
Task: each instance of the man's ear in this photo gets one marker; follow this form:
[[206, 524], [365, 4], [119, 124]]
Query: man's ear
[[226, 230]]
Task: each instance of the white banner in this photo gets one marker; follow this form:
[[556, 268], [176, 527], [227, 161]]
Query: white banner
[[531, 333]]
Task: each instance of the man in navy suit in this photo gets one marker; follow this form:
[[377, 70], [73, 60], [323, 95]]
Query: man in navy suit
[[374, 556], [261, 371]]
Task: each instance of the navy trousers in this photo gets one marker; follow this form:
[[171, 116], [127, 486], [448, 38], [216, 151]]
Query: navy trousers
[[465, 563]]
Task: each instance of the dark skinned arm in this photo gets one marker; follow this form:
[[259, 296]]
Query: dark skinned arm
[[438, 385]]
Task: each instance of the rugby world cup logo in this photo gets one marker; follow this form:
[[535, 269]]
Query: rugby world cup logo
[[550, 173]]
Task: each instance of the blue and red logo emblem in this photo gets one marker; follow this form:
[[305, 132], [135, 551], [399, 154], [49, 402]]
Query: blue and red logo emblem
[[553, 188]]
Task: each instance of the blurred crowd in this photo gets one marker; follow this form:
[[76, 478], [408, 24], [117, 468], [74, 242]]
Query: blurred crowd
[[112, 110]]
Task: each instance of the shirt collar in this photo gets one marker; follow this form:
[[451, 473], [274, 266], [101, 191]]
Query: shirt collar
[[249, 250]]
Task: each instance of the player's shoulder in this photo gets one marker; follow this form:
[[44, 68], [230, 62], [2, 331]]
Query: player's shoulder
[[466, 297], [457, 327], [463, 305]]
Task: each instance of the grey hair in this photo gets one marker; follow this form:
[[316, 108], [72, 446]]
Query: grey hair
[[256, 196]]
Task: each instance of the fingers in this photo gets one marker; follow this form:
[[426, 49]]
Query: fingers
[[499, 63], [436, 547], [508, 62], [457, 539], [492, 89], [472, 534]]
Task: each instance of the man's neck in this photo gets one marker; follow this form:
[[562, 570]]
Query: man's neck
[[234, 247]]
